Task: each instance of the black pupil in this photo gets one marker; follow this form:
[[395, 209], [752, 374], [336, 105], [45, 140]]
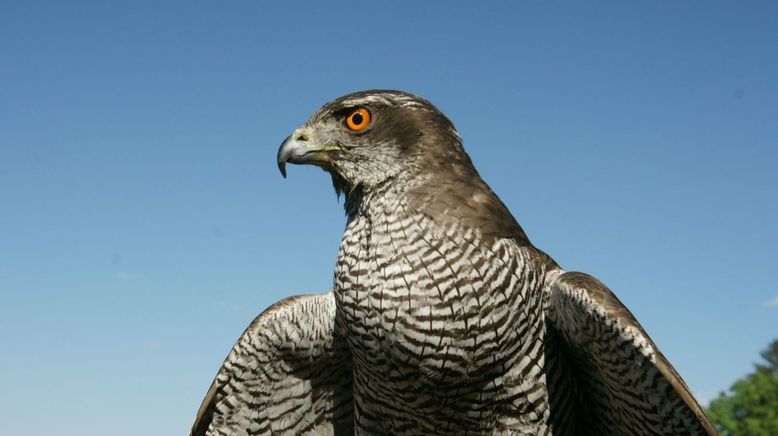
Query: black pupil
[[357, 119]]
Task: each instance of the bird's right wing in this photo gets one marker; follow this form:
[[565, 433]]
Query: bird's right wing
[[288, 373]]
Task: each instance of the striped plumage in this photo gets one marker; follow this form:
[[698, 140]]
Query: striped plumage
[[444, 318], [269, 384]]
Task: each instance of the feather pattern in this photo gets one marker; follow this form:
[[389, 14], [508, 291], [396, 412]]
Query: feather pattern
[[288, 373]]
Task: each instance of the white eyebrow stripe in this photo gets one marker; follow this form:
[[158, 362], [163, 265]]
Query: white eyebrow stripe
[[367, 99], [400, 100]]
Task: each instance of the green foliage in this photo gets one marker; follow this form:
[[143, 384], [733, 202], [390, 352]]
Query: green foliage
[[751, 406]]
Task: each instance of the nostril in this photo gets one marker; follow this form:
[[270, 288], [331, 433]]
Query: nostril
[[302, 137]]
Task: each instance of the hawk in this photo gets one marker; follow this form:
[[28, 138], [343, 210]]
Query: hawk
[[443, 317]]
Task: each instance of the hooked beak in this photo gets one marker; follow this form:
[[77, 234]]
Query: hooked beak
[[301, 148]]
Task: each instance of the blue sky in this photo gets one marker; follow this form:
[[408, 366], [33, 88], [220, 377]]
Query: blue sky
[[143, 222]]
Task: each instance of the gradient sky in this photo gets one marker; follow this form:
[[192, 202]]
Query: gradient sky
[[143, 222]]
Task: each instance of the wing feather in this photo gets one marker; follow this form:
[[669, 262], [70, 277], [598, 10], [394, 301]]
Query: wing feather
[[605, 374], [288, 373]]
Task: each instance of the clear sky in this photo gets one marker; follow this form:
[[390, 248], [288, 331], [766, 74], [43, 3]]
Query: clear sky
[[143, 222]]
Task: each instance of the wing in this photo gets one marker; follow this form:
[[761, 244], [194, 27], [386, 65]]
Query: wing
[[604, 374], [288, 373]]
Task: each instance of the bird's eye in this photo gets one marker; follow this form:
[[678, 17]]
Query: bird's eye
[[358, 119]]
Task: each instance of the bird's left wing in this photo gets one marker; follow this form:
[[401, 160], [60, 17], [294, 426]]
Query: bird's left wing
[[288, 373], [604, 374]]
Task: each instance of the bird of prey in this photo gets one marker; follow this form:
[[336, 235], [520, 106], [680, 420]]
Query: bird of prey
[[443, 317]]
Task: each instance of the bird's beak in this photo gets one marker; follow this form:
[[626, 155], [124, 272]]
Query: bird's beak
[[303, 147]]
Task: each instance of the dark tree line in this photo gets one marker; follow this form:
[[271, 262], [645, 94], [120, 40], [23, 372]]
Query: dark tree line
[[751, 405]]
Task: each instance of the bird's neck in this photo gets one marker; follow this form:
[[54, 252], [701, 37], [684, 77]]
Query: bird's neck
[[361, 200]]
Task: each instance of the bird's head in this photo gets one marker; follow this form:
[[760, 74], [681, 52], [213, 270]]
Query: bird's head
[[372, 138], [366, 138]]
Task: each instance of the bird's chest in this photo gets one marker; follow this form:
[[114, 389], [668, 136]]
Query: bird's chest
[[435, 315], [396, 285], [381, 287], [421, 302], [430, 321]]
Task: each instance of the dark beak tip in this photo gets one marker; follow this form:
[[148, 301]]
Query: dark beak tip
[[283, 156]]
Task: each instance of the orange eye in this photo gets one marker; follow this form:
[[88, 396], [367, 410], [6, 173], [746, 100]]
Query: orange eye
[[358, 120]]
